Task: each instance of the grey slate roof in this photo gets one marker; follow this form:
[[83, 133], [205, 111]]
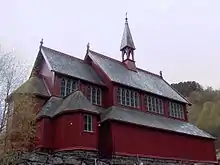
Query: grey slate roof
[[34, 85], [116, 71], [50, 107], [154, 121], [74, 101], [69, 65], [142, 80], [127, 38]]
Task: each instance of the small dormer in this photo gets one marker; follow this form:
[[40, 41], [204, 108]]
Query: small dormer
[[127, 48]]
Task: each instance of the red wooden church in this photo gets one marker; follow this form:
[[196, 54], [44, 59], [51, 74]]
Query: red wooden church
[[113, 107]]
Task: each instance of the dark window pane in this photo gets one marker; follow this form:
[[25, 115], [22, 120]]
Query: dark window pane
[[68, 87], [62, 87], [94, 94], [89, 93], [118, 95], [87, 123], [74, 85], [123, 96]]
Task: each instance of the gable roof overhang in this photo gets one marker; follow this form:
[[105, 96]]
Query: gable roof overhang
[[141, 79], [72, 103], [70, 66], [153, 121]]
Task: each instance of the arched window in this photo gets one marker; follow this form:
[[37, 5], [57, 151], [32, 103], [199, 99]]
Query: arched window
[[94, 95], [175, 110], [67, 86], [127, 97], [153, 104]]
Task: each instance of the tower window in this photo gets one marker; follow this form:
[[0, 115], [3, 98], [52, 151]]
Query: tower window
[[175, 110], [127, 97], [67, 86], [88, 123], [153, 104], [94, 95]]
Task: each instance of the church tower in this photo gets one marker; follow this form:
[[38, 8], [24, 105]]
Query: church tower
[[127, 47]]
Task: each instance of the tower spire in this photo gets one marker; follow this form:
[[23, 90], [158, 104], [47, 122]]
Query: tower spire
[[127, 47], [127, 44]]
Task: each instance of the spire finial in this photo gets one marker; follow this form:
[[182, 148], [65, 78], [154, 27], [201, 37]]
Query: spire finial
[[88, 46], [41, 42], [161, 74], [126, 17]]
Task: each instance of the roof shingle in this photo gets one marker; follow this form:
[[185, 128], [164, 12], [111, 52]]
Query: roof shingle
[[50, 107], [154, 121], [69, 65], [141, 79], [75, 101], [127, 40]]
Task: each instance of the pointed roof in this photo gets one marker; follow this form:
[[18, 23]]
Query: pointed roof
[[127, 40], [76, 101], [49, 107], [65, 64]]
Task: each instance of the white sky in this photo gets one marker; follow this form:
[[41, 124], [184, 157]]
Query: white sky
[[179, 37]]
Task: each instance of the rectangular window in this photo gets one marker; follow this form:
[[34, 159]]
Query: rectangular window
[[153, 104], [67, 86], [94, 95], [127, 97], [88, 123], [175, 110]]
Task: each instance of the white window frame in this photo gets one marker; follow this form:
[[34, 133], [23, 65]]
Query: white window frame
[[94, 95], [176, 110], [87, 123], [66, 89], [127, 97], [153, 104]]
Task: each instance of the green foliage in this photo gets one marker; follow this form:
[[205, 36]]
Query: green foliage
[[186, 88], [205, 109]]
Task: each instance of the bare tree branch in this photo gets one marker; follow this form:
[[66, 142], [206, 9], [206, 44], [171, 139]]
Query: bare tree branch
[[12, 74]]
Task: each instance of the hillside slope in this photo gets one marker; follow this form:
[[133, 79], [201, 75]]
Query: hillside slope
[[205, 109]]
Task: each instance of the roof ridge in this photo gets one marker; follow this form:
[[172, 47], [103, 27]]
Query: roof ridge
[[64, 54], [146, 71], [107, 57], [104, 56]]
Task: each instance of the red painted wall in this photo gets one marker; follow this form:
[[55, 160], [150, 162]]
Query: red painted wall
[[107, 101], [47, 74], [72, 136], [44, 133], [133, 140], [57, 83], [105, 140]]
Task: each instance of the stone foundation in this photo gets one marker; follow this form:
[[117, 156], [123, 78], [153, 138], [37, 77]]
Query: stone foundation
[[86, 158]]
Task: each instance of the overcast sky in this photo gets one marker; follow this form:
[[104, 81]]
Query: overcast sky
[[179, 37]]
